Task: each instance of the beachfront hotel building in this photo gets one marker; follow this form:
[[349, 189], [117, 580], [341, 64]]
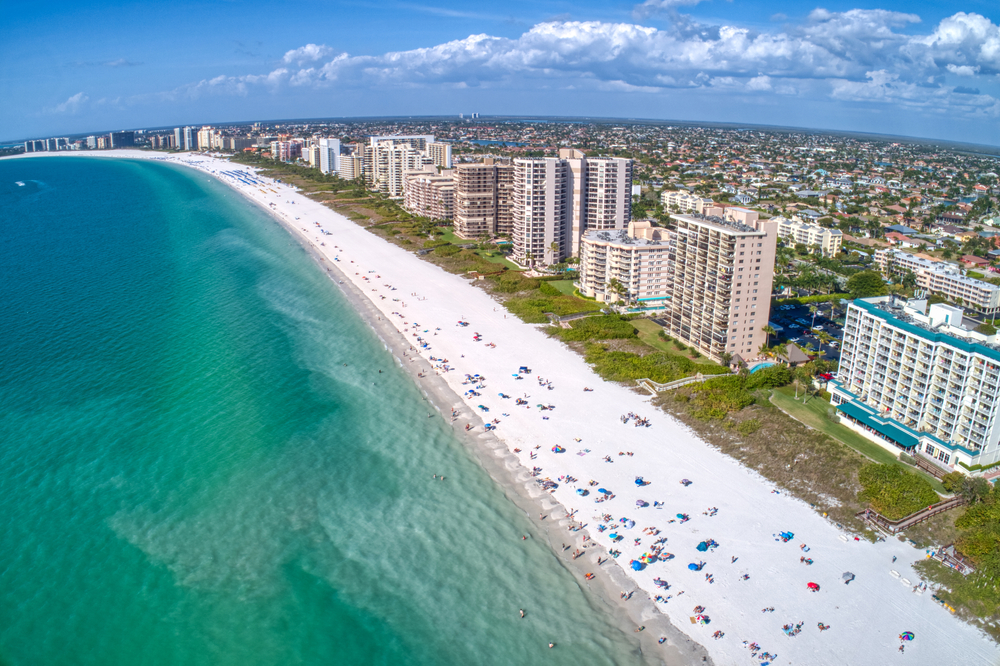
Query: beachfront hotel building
[[718, 290], [558, 199], [940, 277], [683, 202], [920, 379], [813, 236], [429, 194], [483, 199], [329, 155], [630, 265]]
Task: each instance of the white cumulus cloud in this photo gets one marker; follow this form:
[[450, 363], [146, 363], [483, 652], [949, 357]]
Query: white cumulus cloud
[[860, 55], [71, 105], [307, 53]]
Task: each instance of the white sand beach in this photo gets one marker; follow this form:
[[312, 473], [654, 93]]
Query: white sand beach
[[750, 569]]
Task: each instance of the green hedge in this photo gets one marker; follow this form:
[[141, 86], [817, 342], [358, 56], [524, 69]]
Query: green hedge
[[978, 468], [894, 492]]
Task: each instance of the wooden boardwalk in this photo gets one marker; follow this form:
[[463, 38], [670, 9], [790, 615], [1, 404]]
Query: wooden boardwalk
[[882, 523]]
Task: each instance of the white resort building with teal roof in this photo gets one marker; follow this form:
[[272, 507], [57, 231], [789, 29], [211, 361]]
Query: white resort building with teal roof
[[921, 380]]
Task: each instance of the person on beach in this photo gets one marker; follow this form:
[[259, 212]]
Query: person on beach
[[522, 613]]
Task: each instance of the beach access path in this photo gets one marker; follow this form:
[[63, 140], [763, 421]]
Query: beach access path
[[751, 569]]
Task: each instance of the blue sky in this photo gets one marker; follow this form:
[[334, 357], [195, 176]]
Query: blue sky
[[910, 68]]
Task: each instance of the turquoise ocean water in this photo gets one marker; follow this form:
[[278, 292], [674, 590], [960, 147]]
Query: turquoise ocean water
[[190, 475]]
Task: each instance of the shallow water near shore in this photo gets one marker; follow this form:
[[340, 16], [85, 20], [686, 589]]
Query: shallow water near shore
[[190, 474]]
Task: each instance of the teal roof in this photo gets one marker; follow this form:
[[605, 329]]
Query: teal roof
[[957, 343], [888, 427], [891, 428]]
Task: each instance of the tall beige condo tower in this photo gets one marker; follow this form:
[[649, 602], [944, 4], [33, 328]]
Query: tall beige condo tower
[[541, 210], [719, 292], [601, 194], [483, 199]]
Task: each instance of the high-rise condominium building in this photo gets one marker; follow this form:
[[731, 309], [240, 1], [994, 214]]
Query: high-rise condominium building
[[601, 194], [483, 199], [429, 194], [558, 199], [205, 138], [237, 143], [541, 210], [388, 158], [329, 155], [122, 139], [630, 264], [922, 380], [190, 138], [440, 154], [352, 166], [178, 138], [719, 289]]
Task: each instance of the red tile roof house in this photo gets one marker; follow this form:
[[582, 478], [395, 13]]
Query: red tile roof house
[[972, 260], [897, 238]]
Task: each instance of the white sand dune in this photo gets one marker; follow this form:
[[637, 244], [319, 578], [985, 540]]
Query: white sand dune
[[865, 617]]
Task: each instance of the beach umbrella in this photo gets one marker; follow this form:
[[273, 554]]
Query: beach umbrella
[[702, 547], [848, 577], [630, 523], [558, 449], [636, 565], [681, 516], [813, 586], [694, 567], [906, 636], [604, 491]]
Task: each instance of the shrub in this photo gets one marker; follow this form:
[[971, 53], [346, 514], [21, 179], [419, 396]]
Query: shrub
[[748, 427], [446, 250], [511, 282], [893, 492], [548, 290], [661, 367], [608, 327], [952, 481]]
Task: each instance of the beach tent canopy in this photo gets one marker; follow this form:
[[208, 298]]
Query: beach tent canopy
[[848, 576]]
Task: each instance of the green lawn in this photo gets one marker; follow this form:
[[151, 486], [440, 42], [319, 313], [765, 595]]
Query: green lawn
[[500, 259], [649, 333], [814, 414], [564, 286]]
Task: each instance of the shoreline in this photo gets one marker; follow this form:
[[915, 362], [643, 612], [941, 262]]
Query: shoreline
[[748, 510], [515, 481]]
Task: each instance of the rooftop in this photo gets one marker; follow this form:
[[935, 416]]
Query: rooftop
[[716, 221]]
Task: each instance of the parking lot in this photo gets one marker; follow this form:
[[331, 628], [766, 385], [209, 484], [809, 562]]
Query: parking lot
[[796, 320]]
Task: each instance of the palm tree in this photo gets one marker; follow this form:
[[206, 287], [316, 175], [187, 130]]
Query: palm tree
[[824, 339], [768, 332], [813, 309]]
